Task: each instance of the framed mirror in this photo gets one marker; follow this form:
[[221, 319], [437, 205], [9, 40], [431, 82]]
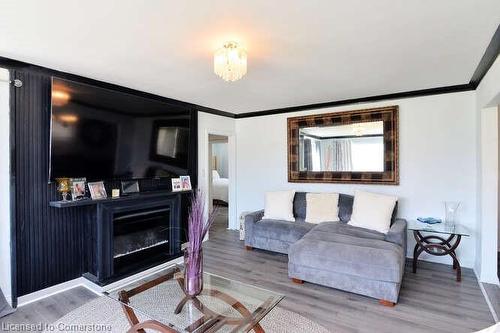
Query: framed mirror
[[357, 147]]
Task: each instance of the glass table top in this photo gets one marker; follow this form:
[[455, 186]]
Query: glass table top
[[438, 228], [223, 306]]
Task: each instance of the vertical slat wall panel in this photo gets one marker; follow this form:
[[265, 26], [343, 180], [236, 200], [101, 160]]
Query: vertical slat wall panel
[[50, 242], [54, 245]]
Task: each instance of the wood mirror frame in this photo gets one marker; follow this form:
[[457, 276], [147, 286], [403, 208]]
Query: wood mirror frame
[[390, 175]]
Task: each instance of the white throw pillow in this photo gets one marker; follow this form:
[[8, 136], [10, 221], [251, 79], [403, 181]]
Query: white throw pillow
[[279, 205], [372, 211], [215, 174], [322, 207]]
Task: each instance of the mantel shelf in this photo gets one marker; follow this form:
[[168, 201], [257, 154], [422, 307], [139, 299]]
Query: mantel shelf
[[90, 202]]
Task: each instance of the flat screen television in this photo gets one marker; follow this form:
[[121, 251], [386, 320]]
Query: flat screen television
[[104, 134]]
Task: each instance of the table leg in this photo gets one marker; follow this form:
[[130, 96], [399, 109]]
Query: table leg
[[211, 320], [443, 247], [151, 324], [456, 265], [415, 257]]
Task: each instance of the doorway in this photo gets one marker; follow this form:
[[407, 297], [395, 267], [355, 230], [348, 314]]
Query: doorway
[[219, 180]]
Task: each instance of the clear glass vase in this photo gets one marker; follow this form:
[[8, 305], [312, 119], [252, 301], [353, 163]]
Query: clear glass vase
[[450, 208], [193, 272]]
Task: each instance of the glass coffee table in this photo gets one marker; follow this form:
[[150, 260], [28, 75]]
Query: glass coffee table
[[160, 304], [436, 244]]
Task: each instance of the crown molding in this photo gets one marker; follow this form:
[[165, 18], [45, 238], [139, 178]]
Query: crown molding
[[399, 95], [489, 57], [13, 64]]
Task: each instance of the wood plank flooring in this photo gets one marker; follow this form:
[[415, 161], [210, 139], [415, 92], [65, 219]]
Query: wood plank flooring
[[48, 310], [430, 300], [493, 293]]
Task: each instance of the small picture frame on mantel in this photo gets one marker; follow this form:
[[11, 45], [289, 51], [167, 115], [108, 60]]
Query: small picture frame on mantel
[[176, 185], [78, 188], [186, 183], [97, 190]]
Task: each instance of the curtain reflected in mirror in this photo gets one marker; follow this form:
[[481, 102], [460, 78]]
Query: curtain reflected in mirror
[[355, 147]]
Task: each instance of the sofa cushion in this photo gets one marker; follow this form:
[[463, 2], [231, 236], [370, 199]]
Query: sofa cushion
[[299, 206], [322, 207], [279, 205], [345, 206], [373, 211], [341, 248], [345, 229], [285, 231]]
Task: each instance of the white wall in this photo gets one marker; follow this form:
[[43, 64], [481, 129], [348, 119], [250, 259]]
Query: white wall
[[212, 124], [438, 162], [489, 193], [488, 92], [5, 269], [487, 99]]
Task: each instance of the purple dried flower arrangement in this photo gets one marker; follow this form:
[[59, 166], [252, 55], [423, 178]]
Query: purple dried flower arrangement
[[198, 226]]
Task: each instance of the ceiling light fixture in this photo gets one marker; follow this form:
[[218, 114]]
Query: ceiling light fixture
[[230, 62]]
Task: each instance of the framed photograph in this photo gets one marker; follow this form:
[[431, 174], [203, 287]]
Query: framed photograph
[[97, 190], [78, 188], [176, 185], [186, 183], [130, 187]]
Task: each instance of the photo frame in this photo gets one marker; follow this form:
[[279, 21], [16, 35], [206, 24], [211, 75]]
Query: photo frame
[[78, 191], [176, 185], [130, 187], [186, 183], [97, 190]]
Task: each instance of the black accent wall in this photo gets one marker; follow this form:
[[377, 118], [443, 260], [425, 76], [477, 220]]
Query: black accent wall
[[49, 245]]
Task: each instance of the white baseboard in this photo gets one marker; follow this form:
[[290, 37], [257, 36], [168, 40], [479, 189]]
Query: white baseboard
[[488, 301], [144, 274], [47, 292], [83, 282], [8, 298], [486, 298]]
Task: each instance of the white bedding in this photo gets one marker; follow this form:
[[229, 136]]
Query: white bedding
[[219, 187]]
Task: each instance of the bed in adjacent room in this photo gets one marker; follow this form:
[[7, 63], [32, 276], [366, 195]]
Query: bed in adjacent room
[[219, 188]]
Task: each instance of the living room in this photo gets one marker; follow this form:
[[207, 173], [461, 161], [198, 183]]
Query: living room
[[357, 190]]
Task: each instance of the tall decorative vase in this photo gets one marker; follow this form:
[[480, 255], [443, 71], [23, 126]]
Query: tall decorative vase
[[198, 226], [193, 272], [450, 208]]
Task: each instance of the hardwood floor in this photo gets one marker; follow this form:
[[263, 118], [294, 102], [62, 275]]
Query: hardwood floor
[[430, 301], [493, 293], [48, 310]]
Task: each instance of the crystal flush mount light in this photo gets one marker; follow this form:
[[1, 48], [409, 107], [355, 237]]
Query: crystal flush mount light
[[230, 62]]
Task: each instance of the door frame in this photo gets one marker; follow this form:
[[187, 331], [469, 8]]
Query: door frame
[[233, 222]]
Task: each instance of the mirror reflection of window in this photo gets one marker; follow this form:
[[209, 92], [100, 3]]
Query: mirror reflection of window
[[356, 147]]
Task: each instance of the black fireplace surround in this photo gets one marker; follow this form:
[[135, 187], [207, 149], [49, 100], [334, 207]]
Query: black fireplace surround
[[134, 233]]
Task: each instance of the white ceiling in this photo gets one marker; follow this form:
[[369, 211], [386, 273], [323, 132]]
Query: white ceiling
[[300, 52]]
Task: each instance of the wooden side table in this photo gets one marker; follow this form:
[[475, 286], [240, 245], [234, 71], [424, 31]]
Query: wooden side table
[[436, 245]]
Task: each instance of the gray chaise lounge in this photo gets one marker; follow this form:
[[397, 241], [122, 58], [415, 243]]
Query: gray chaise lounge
[[335, 254]]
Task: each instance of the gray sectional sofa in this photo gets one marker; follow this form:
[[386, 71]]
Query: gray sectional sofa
[[335, 254]]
